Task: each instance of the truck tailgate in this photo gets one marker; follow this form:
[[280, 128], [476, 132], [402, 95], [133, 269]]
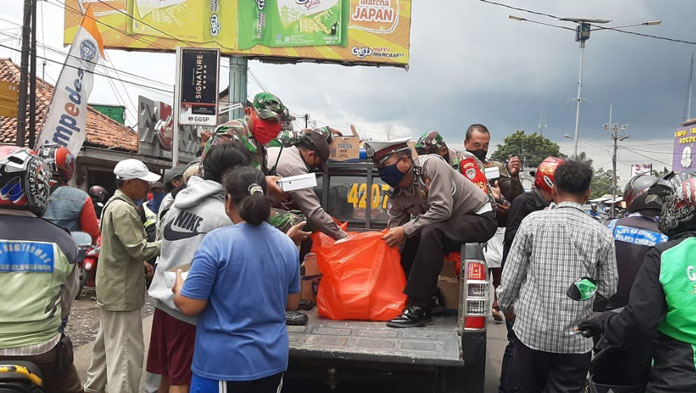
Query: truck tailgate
[[321, 338]]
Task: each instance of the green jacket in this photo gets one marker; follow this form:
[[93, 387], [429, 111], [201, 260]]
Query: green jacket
[[120, 276]]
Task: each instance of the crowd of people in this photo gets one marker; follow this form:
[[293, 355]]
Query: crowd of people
[[219, 246]]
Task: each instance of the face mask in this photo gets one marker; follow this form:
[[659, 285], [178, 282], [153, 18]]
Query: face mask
[[262, 130], [391, 175], [479, 153]]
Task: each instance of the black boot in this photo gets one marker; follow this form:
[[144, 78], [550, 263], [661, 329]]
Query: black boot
[[295, 318], [414, 315]]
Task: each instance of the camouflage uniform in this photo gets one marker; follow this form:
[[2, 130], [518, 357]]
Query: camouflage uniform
[[431, 143]]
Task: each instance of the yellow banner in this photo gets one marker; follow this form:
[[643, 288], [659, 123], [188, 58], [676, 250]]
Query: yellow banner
[[339, 31]]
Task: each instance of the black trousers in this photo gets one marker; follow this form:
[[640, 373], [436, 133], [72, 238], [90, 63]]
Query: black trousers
[[507, 377], [270, 384], [423, 255], [537, 371]]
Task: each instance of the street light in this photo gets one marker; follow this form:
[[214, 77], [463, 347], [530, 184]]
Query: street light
[[582, 34]]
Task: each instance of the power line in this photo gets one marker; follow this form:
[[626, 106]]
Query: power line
[[520, 9], [657, 37], [57, 51], [95, 73]]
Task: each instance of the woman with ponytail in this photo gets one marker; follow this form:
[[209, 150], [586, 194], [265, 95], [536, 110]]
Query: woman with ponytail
[[242, 279]]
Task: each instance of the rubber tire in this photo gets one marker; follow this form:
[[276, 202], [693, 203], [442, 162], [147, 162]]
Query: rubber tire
[[83, 280]]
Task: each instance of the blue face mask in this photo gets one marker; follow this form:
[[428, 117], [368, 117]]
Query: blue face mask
[[391, 175]]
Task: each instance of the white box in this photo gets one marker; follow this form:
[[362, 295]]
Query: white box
[[299, 182], [492, 173]]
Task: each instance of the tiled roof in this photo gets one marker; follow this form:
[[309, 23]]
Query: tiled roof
[[102, 131]]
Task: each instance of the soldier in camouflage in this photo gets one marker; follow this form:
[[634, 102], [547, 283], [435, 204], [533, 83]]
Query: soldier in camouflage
[[433, 143]]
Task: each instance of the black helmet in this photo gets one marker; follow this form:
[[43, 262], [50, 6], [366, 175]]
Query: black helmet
[[637, 196], [679, 207], [98, 194]]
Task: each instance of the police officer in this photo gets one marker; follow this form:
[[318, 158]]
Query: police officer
[[636, 233], [309, 154], [662, 302], [448, 209], [38, 279]]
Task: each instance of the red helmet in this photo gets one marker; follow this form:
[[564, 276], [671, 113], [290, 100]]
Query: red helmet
[[24, 180], [60, 161], [543, 178]]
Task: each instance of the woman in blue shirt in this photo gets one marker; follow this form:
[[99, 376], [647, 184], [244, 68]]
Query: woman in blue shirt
[[242, 279]]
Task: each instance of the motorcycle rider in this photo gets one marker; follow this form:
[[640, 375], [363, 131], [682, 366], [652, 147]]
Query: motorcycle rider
[[68, 207], [38, 278], [662, 302], [99, 196], [635, 234]]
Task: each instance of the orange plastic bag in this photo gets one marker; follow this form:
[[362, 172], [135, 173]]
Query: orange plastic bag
[[362, 278]]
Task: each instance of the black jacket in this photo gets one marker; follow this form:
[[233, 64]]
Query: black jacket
[[646, 316], [633, 237], [522, 205]]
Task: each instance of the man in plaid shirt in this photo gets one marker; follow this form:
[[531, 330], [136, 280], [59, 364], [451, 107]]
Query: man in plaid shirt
[[552, 249]]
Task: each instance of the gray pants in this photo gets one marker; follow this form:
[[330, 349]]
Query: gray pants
[[117, 356]]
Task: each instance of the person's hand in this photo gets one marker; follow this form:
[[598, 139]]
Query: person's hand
[[275, 193], [149, 270], [335, 132], [297, 234], [495, 190], [514, 166], [395, 236], [179, 283], [593, 325]]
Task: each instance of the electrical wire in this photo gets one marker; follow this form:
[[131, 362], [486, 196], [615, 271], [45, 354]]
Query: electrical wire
[[646, 35], [520, 9], [96, 63], [170, 92], [643, 155]]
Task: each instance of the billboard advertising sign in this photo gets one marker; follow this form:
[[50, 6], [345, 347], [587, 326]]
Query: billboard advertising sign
[[684, 152], [641, 169], [197, 82], [340, 31]]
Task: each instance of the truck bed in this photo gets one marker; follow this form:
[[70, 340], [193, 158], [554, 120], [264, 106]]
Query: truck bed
[[436, 344]]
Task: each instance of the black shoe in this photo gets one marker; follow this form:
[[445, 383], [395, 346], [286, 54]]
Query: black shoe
[[296, 318], [412, 316]]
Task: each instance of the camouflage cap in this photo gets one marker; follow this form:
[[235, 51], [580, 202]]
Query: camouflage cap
[[269, 107], [430, 143]]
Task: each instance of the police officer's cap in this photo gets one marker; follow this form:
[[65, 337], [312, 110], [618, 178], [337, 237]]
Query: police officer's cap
[[380, 151]]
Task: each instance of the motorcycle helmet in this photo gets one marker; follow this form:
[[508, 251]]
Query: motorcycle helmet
[[24, 180], [640, 193], [679, 207], [98, 194], [544, 176], [60, 161]]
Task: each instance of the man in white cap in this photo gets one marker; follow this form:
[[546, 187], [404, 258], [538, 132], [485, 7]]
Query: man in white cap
[[117, 356], [448, 211]]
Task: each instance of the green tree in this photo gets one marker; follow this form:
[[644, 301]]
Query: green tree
[[601, 183], [530, 148]]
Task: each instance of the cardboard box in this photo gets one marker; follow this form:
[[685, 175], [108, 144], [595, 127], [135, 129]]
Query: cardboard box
[[345, 148], [310, 278], [449, 287], [449, 269]]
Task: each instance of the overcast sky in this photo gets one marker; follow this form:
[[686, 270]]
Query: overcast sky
[[471, 64]]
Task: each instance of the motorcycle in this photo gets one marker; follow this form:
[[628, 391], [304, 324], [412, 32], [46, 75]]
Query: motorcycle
[[86, 261], [88, 267]]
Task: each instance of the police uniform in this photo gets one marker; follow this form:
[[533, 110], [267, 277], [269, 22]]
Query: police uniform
[[447, 211], [290, 163]]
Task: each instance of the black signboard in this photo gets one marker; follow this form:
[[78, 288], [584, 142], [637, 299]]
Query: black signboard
[[199, 86]]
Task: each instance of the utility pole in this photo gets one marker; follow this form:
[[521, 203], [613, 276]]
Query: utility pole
[[23, 74], [306, 120], [542, 121], [691, 80], [614, 128], [32, 80]]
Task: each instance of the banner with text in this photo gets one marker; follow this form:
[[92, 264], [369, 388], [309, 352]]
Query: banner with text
[[340, 31], [684, 152], [197, 81], [66, 121]]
